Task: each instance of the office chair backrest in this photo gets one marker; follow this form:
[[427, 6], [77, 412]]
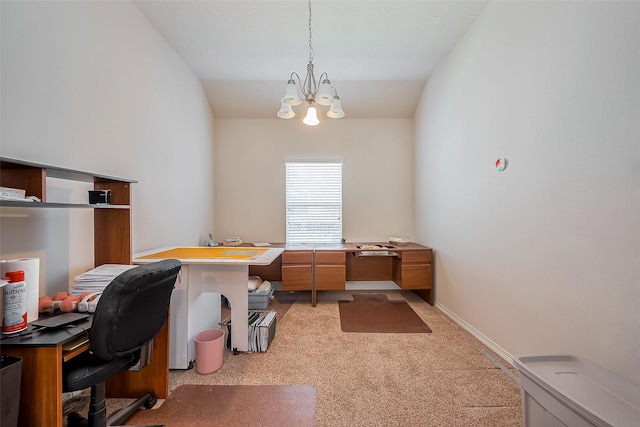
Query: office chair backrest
[[132, 309]]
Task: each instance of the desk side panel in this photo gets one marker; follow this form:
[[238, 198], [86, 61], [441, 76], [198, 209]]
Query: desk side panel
[[40, 385], [112, 236], [152, 378]]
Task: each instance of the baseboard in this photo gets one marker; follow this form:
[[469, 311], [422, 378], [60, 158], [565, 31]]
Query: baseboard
[[473, 331]]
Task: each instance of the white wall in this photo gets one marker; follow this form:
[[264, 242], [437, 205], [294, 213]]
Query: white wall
[[377, 175], [545, 256], [92, 86]]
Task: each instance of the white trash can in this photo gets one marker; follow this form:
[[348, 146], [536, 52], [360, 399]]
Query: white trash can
[[564, 390], [209, 350]]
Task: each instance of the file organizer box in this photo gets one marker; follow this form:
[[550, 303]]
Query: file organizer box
[[259, 300], [253, 314], [563, 390]]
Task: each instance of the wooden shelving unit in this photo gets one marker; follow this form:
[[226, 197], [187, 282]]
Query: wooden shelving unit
[[112, 245], [112, 223]]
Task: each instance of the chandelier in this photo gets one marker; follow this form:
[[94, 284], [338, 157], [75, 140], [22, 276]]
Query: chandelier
[[325, 94]]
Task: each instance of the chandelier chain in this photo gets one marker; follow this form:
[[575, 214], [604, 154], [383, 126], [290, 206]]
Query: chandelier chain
[[311, 52]]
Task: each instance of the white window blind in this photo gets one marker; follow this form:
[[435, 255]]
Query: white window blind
[[314, 202]]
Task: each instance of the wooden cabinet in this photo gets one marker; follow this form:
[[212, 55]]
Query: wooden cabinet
[[322, 268], [412, 270], [297, 270], [330, 270]]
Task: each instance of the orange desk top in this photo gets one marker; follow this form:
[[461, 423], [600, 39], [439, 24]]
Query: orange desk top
[[208, 253]]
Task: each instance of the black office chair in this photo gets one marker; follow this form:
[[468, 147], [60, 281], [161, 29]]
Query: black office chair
[[131, 311]]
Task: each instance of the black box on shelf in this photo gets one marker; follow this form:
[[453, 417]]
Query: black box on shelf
[[97, 197]]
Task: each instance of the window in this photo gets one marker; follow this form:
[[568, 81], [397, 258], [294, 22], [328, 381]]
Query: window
[[314, 202]]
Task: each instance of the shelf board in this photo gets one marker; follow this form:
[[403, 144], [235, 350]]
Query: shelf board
[[19, 204], [61, 173]]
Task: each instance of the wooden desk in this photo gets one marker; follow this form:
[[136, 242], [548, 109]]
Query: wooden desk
[[43, 353], [330, 266]]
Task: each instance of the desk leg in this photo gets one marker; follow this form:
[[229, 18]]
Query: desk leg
[[313, 278], [40, 385], [231, 281]]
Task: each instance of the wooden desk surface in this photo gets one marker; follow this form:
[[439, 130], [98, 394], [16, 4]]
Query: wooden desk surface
[[349, 246], [48, 337]]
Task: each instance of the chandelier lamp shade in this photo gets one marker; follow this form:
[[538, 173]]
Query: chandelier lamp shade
[[324, 94]]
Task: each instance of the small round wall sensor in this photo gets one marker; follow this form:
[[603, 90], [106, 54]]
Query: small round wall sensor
[[501, 164]]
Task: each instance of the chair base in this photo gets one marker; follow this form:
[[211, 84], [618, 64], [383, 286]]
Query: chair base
[[76, 420]]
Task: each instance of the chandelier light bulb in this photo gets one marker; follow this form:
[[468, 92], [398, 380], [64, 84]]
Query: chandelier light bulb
[[311, 119]]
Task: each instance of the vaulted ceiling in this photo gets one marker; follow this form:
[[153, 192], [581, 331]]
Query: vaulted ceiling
[[378, 54]]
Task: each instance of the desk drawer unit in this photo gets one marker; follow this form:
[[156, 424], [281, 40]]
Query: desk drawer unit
[[331, 270], [296, 270], [413, 270]]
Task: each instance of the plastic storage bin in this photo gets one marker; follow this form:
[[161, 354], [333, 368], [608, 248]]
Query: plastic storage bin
[[259, 300], [564, 390], [10, 374]]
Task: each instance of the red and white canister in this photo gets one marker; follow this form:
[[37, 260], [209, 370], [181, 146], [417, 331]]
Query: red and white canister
[[15, 303]]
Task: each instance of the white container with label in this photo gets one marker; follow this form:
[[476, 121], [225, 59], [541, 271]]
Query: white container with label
[[14, 316]]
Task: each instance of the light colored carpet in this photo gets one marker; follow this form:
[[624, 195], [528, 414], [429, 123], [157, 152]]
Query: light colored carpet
[[369, 379]]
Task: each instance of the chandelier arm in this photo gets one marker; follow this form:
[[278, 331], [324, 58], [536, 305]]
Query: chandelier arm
[[310, 85], [296, 76]]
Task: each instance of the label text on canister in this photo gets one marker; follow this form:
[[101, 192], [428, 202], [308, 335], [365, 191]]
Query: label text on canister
[[15, 303]]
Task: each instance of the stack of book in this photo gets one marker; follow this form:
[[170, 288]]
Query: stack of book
[[96, 279], [232, 241]]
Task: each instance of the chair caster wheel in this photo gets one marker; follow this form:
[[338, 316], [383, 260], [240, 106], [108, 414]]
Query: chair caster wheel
[[151, 402], [235, 351], [76, 420]]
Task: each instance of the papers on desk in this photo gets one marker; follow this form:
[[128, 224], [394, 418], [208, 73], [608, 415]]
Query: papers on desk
[[262, 330], [375, 250], [95, 280], [376, 253]]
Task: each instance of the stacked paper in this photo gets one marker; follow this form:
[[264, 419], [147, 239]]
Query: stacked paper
[[95, 280], [399, 240]]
